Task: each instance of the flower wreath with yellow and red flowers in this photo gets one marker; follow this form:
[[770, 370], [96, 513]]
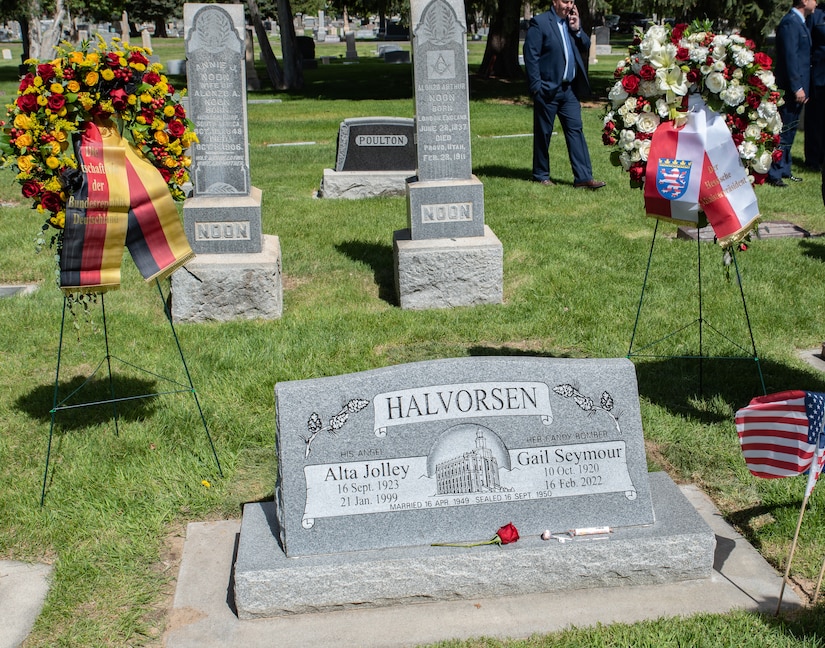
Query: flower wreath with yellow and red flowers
[[92, 83], [664, 66]]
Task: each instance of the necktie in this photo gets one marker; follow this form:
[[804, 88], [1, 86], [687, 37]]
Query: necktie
[[569, 58]]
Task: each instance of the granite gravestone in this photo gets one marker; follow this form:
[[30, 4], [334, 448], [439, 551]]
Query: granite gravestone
[[445, 201], [374, 467], [375, 156], [376, 144], [237, 273]]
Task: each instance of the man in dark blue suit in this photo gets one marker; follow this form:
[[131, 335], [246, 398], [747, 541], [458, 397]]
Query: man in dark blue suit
[[554, 51], [815, 108], [792, 68]]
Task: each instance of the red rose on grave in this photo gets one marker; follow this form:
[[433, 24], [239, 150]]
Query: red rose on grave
[[180, 111], [677, 32], [630, 83], [51, 201], [112, 59], [682, 54], [56, 102], [693, 75], [165, 173], [176, 128], [507, 534], [27, 103], [31, 188]]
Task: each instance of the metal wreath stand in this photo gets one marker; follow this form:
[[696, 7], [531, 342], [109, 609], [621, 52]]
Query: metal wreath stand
[[701, 321], [59, 405]]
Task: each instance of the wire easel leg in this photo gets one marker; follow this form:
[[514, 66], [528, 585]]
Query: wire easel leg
[[644, 285], [53, 411], [701, 356], [59, 404], [188, 376], [109, 364], [748, 320]]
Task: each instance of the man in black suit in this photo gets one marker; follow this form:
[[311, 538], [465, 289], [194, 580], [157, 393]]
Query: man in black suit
[[792, 68], [815, 108], [554, 51]]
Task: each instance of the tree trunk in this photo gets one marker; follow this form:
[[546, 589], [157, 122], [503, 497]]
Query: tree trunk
[[160, 28], [293, 69], [501, 54], [273, 70]]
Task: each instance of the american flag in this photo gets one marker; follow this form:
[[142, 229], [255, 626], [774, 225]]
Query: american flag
[[781, 435]]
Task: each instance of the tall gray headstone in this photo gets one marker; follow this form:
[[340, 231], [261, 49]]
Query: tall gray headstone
[[375, 467], [223, 215], [445, 201], [216, 72]]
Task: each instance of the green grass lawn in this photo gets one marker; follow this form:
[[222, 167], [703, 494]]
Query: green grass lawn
[[574, 263]]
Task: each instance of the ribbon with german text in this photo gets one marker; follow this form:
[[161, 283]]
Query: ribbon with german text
[[117, 198]]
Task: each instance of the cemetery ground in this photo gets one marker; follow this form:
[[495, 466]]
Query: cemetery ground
[[117, 505]]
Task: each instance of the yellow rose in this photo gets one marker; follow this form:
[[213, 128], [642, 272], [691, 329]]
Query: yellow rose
[[91, 78], [107, 74], [92, 58], [23, 141], [41, 100], [186, 161], [73, 86], [170, 162], [161, 137], [56, 88], [24, 163], [52, 162], [22, 122], [168, 111], [60, 135], [76, 58]]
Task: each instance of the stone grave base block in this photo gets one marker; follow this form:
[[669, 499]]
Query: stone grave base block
[[363, 184], [224, 224], [445, 208], [679, 546], [442, 273], [225, 287]]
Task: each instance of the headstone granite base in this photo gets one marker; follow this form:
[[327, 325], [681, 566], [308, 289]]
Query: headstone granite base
[[447, 272], [363, 184], [225, 287], [224, 224], [679, 546]]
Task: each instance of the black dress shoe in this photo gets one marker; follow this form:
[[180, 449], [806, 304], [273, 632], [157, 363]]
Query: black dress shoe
[[546, 183], [778, 183], [589, 184], [794, 178]]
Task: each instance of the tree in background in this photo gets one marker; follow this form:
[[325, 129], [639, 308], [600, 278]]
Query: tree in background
[[153, 11]]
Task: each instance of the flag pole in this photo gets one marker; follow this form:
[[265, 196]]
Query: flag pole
[[791, 553]]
